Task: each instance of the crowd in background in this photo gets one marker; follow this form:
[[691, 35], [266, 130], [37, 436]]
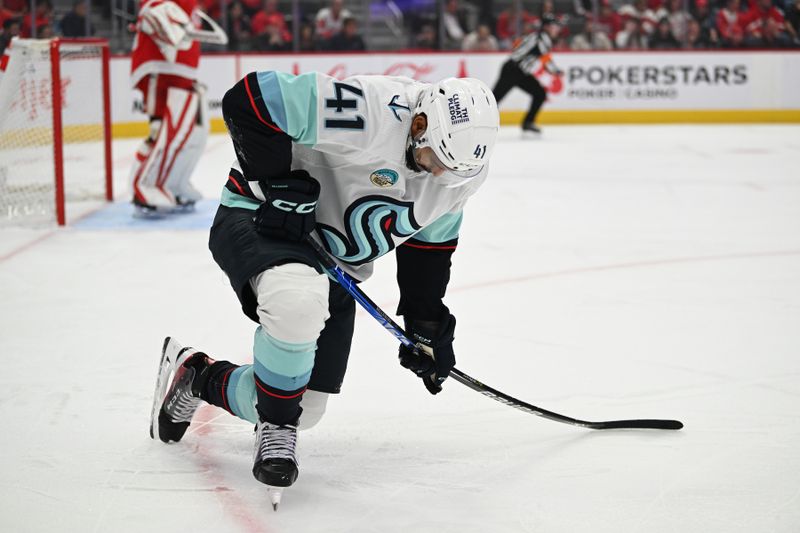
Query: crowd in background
[[261, 25], [16, 19]]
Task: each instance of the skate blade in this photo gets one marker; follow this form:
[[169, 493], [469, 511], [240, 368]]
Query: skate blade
[[275, 495], [159, 213], [149, 213], [184, 208], [166, 368]]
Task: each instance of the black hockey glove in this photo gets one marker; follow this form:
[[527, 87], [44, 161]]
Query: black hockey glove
[[289, 210], [435, 342]]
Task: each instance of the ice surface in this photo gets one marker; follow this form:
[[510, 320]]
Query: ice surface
[[603, 272]]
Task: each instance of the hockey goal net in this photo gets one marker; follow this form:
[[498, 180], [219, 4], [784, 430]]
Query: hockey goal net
[[55, 129]]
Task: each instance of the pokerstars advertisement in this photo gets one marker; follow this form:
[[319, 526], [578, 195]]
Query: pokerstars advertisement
[[589, 80], [663, 81]]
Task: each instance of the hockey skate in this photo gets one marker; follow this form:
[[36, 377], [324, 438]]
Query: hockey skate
[[530, 130], [174, 408], [275, 458], [186, 198]]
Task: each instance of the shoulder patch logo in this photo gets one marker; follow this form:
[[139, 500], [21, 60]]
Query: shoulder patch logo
[[384, 177], [394, 106]]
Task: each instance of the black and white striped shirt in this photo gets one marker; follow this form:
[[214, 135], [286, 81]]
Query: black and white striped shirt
[[535, 47]]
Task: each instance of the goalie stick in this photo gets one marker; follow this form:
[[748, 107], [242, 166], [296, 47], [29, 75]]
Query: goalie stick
[[390, 325]]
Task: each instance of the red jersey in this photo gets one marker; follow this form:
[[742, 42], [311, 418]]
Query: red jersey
[[727, 21], [5, 14], [25, 31], [147, 58], [262, 20], [755, 19], [506, 24]]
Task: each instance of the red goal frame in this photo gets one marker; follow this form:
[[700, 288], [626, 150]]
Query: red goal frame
[[58, 127]]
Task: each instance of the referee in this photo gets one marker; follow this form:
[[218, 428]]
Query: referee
[[518, 69]]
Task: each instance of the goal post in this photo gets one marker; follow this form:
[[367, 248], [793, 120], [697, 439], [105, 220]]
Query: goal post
[[55, 129]]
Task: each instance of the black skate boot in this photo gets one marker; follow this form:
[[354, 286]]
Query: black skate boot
[[529, 128], [173, 409], [275, 458]]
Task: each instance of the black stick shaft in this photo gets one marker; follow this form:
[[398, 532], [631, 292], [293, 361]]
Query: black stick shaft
[[386, 321]]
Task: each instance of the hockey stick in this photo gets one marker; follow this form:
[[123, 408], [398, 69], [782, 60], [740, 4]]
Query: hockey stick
[[216, 35], [377, 313]]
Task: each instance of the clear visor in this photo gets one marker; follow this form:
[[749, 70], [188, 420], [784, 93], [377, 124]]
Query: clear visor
[[430, 161]]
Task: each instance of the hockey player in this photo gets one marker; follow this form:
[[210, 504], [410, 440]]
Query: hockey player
[[364, 165], [164, 69], [517, 71]]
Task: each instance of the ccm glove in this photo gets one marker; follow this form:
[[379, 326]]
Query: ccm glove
[[435, 342], [289, 210]]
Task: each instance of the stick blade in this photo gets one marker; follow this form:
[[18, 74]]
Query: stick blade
[[673, 425]]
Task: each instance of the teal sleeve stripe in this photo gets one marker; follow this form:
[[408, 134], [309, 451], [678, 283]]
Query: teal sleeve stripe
[[284, 358], [292, 103], [443, 229], [231, 199], [279, 381], [273, 98], [241, 393]]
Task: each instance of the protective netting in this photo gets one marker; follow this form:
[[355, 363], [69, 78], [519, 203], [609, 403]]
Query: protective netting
[[28, 142]]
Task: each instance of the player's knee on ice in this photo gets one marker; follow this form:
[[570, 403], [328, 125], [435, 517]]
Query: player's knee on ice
[[292, 302], [313, 404]]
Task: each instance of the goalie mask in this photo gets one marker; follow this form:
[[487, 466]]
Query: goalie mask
[[463, 122]]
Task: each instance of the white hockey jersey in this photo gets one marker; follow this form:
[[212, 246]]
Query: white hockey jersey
[[351, 135]]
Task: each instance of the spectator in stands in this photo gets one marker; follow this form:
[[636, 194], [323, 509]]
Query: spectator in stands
[[425, 39], [793, 20], [678, 19], [238, 28], [73, 24], [609, 21], [251, 7], [45, 31], [11, 29], [700, 11], [582, 7], [707, 25], [10, 9], [646, 17], [510, 25], [662, 38], [6, 13], [631, 37], [347, 40], [735, 38], [590, 38], [695, 39], [486, 12], [728, 18], [480, 40], [764, 25], [212, 8], [308, 41], [330, 19], [453, 24], [42, 15], [269, 28]]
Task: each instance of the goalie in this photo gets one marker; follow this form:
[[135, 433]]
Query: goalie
[[166, 52]]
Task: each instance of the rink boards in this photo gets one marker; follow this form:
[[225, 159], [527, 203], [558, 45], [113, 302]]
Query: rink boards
[[596, 87]]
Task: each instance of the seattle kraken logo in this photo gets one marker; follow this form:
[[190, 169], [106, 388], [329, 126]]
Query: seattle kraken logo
[[370, 223]]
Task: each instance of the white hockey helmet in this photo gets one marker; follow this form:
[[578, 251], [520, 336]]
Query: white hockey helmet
[[463, 122]]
